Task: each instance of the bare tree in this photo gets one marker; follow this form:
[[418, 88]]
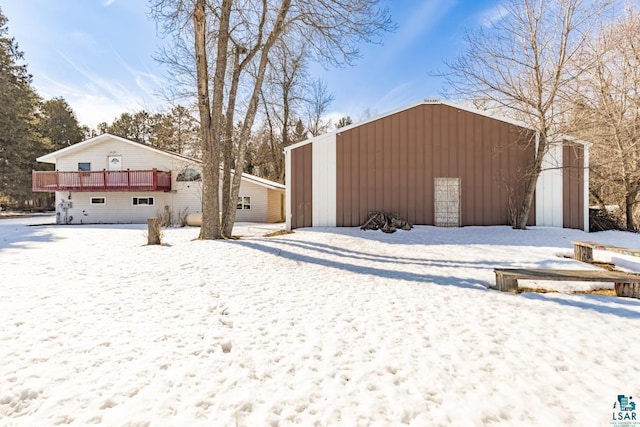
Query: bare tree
[[281, 97], [233, 42], [607, 112], [522, 63], [318, 101]]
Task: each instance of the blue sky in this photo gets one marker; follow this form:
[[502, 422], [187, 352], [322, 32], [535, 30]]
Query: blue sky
[[99, 55]]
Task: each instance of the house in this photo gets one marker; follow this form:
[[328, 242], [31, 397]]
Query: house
[[108, 179], [433, 163]]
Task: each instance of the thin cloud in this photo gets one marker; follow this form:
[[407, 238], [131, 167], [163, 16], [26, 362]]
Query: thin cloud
[[400, 95], [96, 99], [421, 20], [91, 107], [148, 82], [82, 38], [493, 15], [107, 87], [108, 3], [397, 96]]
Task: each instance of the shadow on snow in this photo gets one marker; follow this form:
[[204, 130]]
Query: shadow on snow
[[286, 249], [359, 269], [589, 302]]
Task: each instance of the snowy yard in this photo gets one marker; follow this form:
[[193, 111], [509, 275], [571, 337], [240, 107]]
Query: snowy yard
[[320, 327]]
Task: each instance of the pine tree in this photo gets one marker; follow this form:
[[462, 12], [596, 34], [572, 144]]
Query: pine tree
[[344, 121], [20, 142], [59, 124]]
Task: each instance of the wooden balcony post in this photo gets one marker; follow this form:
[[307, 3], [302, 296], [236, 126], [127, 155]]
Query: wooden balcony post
[[155, 178]]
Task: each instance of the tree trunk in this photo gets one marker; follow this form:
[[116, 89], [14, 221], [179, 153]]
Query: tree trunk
[[228, 203], [530, 184], [278, 28], [629, 201], [210, 228]]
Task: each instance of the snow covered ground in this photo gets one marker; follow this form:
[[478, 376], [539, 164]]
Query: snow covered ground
[[321, 327]]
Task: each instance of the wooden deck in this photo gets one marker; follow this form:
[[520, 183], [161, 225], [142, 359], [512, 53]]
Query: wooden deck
[[128, 180]]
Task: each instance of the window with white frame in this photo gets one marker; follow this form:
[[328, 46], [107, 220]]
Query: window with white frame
[[84, 166], [244, 203], [143, 201], [98, 200]]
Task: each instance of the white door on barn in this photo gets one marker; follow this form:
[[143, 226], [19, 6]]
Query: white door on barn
[[446, 202]]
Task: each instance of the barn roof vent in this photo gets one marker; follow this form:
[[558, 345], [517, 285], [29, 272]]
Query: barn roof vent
[[432, 100]]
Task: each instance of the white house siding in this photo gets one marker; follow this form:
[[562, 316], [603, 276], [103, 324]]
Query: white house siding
[[259, 202], [324, 181], [134, 157], [275, 203], [185, 197], [549, 199], [119, 206]]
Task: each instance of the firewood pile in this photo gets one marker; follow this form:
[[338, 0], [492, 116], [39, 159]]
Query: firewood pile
[[386, 222], [602, 220]]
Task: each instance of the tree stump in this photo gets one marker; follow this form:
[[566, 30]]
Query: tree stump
[[630, 290], [154, 231]]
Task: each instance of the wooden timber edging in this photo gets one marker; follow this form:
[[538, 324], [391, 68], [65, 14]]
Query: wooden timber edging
[[626, 284], [583, 251]]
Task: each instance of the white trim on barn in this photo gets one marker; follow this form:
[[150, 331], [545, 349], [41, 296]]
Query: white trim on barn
[[549, 189], [324, 181], [586, 187], [287, 190]]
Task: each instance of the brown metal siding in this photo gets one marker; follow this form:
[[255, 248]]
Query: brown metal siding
[[301, 188], [573, 186], [390, 165]]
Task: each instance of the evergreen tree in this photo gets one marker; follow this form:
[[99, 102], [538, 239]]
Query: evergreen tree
[[178, 131], [20, 142], [299, 132], [59, 124], [344, 121]]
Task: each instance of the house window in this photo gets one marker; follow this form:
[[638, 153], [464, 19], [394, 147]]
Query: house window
[[143, 201], [189, 174], [98, 200], [244, 203], [85, 167]]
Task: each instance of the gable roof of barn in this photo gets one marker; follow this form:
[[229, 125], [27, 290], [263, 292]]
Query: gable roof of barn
[[458, 106]]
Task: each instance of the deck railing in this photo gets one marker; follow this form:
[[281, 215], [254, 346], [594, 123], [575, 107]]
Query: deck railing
[[129, 180]]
